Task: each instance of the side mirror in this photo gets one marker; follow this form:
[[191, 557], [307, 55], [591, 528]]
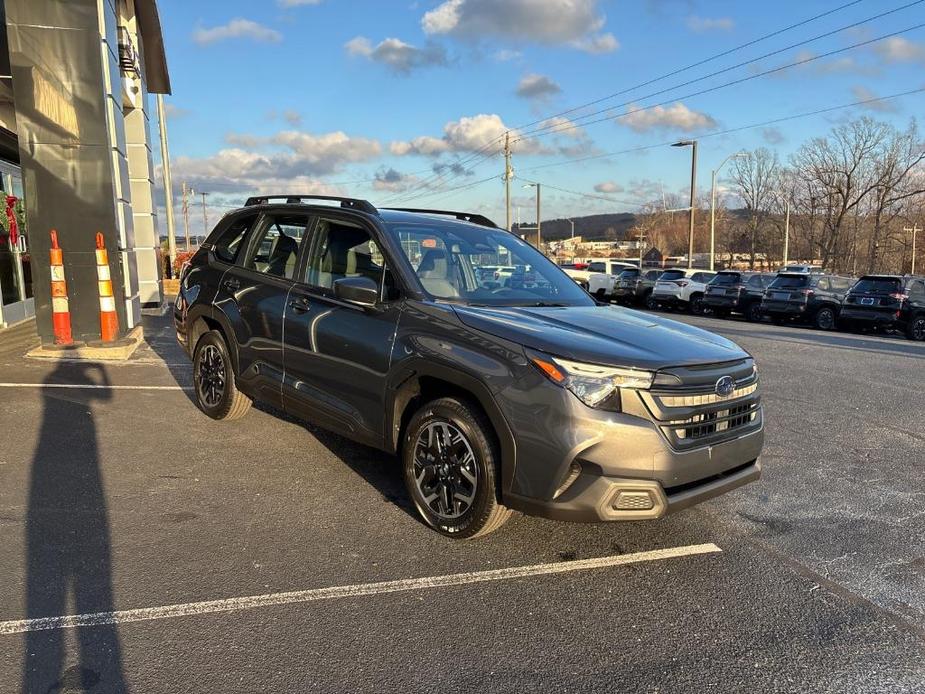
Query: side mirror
[[361, 291]]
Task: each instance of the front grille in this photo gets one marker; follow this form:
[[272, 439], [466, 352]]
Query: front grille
[[692, 414], [703, 425], [705, 398]]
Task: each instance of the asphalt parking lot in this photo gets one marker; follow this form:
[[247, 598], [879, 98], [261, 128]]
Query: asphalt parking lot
[[267, 556]]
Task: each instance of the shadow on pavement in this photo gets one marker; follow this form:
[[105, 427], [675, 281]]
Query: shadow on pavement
[[161, 339], [379, 469], [68, 542]]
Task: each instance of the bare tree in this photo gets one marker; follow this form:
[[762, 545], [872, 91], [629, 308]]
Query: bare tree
[[755, 177], [838, 172]]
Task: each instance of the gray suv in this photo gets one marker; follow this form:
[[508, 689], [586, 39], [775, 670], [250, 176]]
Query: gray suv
[[378, 325]]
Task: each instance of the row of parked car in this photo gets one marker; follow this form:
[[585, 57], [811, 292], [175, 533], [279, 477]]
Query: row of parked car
[[794, 294]]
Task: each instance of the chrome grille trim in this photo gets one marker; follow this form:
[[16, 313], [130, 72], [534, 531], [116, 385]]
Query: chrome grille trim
[[668, 401]]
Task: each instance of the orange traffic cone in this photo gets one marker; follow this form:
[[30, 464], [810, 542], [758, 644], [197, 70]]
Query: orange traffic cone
[[109, 321], [60, 310]]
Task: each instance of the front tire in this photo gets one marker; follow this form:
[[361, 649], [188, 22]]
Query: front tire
[[450, 463], [697, 307], [214, 379]]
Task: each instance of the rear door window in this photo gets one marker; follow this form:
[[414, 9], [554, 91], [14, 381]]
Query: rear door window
[[276, 246]]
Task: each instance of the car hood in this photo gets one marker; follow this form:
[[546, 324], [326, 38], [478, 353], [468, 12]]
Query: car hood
[[603, 335]]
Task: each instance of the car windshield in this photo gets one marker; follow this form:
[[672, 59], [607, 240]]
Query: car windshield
[[877, 285], [447, 256], [789, 282], [672, 275], [726, 278]]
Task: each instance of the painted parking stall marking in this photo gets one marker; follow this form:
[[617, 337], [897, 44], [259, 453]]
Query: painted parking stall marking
[[194, 609]]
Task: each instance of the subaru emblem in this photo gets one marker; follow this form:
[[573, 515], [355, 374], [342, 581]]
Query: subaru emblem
[[725, 386]]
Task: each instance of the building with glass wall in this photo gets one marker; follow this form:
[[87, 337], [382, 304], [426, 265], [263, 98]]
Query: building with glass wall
[[75, 154]]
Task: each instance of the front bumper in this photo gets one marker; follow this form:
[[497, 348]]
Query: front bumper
[[586, 465]]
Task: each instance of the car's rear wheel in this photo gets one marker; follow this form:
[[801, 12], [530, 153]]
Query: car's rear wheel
[[916, 329], [825, 318], [753, 312], [651, 303], [450, 463], [697, 307], [600, 294], [214, 379]]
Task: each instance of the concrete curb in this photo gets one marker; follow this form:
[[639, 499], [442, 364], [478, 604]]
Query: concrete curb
[[120, 350]]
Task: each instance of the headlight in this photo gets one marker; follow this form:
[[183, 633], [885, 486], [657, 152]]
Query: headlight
[[595, 385]]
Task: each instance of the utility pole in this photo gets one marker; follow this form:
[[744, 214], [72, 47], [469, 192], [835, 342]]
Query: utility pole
[[572, 222], [508, 175], [539, 233], [168, 188], [186, 190], [205, 219], [914, 230]]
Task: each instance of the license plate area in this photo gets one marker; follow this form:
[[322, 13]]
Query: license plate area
[[867, 301], [780, 296]]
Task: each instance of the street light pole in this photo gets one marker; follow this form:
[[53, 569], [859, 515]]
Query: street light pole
[[690, 234], [787, 233], [713, 204], [572, 222], [539, 235]]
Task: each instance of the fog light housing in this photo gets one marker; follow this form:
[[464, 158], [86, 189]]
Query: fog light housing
[[573, 471], [634, 501]]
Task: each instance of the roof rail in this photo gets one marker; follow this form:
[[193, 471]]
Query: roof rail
[[479, 219], [351, 203]]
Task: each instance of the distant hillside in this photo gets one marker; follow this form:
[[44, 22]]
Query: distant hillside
[[595, 227]]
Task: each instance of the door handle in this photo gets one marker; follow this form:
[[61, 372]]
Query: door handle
[[300, 305], [232, 284]]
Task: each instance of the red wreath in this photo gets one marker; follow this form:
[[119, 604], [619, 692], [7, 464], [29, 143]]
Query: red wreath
[[11, 201]]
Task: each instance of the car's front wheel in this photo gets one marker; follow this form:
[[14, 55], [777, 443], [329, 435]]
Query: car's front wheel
[[450, 463], [916, 329], [753, 312], [213, 379]]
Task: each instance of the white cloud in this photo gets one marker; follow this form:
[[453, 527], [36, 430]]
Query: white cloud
[[608, 187], [561, 22], [900, 50], [563, 127], [395, 54], [237, 28], [862, 93], [484, 132], [597, 45], [675, 117], [703, 24], [174, 111], [297, 3], [537, 87]]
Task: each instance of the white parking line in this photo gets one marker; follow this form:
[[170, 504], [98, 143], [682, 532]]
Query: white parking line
[[90, 386], [193, 609]]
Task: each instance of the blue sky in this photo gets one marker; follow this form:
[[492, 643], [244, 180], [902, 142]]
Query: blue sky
[[398, 101]]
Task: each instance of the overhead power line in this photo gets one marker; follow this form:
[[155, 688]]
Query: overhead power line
[[480, 156], [715, 56], [549, 130]]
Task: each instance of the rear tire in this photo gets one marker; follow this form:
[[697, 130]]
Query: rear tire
[[825, 318], [916, 328], [650, 302], [601, 295], [697, 307], [451, 465], [214, 379], [753, 313]]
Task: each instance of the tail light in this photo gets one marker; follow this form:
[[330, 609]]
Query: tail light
[[682, 283], [899, 296], [807, 293], [497, 275]]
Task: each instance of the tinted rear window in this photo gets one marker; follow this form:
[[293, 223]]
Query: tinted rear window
[[789, 282], [672, 275], [629, 274], [727, 278], [877, 285]]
